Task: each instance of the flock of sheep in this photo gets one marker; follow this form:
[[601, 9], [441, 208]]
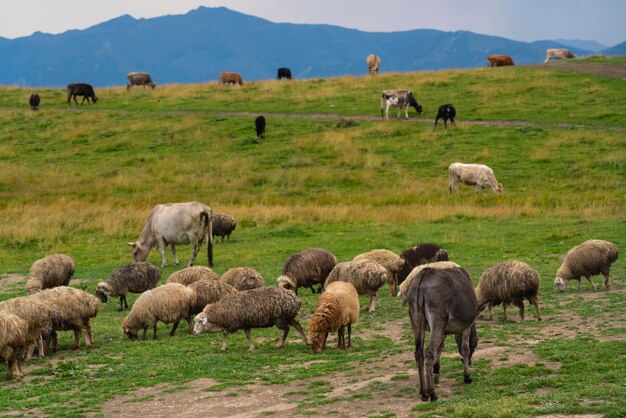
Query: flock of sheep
[[240, 300]]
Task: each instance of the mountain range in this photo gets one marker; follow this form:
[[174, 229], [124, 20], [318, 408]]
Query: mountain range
[[197, 46]]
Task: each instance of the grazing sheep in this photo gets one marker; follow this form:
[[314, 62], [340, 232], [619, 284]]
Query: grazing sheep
[[50, 271], [168, 303], [206, 292], [337, 308], [366, 276], [389, 260], [404, 286], [71, 310], [442, 301], [14, 338], [585, 260], [256, 308], [509, 282], [420, 254], [306, 269], [38, 316], [242, 278], [223, 226], [192, 274], [134, 278]]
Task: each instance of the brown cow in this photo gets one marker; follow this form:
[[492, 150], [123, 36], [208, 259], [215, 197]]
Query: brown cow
[[140, 79], [499, 60], [373, 64], [558, 54], [231, 78], [81, 89]]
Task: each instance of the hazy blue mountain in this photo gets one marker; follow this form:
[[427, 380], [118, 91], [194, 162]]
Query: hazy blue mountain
[[196, 46], [592, 46], [619, 49]]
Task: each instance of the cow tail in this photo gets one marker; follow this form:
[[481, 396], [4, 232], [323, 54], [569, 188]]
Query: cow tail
[[207, 221]]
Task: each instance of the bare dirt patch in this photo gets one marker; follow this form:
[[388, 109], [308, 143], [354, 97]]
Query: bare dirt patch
[[604, 69], [10, 281]]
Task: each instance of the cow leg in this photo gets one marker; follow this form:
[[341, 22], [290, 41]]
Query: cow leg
[[173, 250], [452, 122], [387, 105], [194, 253], [406, 111], [75, 101], [162, 246]]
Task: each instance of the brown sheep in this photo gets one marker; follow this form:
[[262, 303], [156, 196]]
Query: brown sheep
[[337, 308], [50, 271], [242, 278], [420, 254], [206, 292], [223, 226], [14, 338], [366, 276], [38, 315], [389, 260], [192, 274], [231, 78], [257, 308], [509, 282], [306, 269], [134, 278]]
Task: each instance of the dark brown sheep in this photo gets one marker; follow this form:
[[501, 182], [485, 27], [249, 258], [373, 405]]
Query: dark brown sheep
[[133, 278], [418, 255], [306, 269]]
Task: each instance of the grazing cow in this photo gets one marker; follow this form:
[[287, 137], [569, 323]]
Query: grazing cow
[[283, 72], [34, 101], [478, 175], [140, 79], [558, 54], [81, 89], [499, 60], [373, 64], [400, 99], [231, 78], [175, 223], [259, 123], [446, 112], [442, 301]]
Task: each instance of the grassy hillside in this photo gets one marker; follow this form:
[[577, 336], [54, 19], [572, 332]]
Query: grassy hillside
[[82, 181]]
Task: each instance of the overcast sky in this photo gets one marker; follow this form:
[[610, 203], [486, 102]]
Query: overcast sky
[[524, 20]]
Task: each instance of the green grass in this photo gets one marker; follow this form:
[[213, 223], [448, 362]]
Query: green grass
[[82, 182]]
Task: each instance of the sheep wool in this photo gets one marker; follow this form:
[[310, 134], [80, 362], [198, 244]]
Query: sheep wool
[[242, 278], [585, 260], [256, 308], [366, 276], [306, 269], [192, 274], [168, 303], [389, 260], [404, 286], [50, 271], [134, 278], [337, 308], [14, 337], [37, 315], [206, 292], [509, 282]]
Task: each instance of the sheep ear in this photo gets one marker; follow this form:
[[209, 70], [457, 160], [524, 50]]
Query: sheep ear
[[204, 321], [132, 244]]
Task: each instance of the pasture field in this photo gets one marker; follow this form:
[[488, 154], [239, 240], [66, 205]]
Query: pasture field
[[330, 174]]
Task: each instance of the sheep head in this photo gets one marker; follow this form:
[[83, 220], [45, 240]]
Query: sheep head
[[560, 284], [201, 324], [318, 341], [286, 283], [103, 291]]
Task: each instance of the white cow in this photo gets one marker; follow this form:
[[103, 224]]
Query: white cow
[[373, 64], [175, 223], [559, 54], [478, 175], [401, 99]]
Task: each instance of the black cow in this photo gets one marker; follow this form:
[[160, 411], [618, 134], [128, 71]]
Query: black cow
[[81, 89], [284, 73], [260, 127], [34, 101], [446, 112]]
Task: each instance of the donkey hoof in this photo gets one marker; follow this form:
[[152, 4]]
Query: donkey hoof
[[467, 379], [425, 398]]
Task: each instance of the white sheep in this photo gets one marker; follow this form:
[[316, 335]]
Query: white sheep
[[585, 260], [242, 278]]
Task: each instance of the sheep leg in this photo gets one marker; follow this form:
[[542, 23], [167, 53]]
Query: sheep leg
[[55, 341], [341, 344], [251, 342], [393, 287], [173, 331], [349, 337], [76, 342], [506, 317], [520, 304], [371, 306], [29, 352], [490, 318], [294, 323], [154, 333], [283, 337], [87, 333], [607, 280], [533, 301], [465, 354], [145, 330], [579, 284], [593, 286]]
